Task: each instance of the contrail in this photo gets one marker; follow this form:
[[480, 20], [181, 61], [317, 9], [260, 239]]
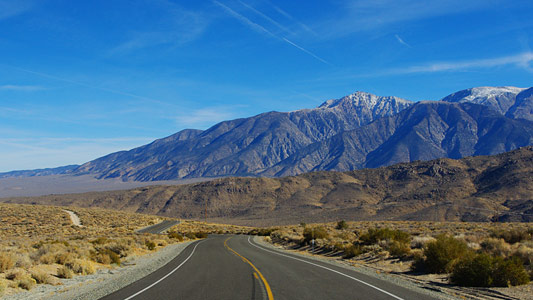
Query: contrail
[[266, 17], [262, 29]]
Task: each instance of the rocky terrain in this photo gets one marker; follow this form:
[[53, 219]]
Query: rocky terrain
[[481, 188]]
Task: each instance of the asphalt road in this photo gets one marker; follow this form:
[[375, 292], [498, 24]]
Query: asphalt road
[[159, 227], [234, 267]]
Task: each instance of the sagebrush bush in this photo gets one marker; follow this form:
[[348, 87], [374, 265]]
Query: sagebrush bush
[[441, 255], [311, 233], [352, 251], [81, 266], [175, 235], [484, 270], [203, 235], [7, 261], [21, 278], [512, 236], [341, 225], [374, 235], [496, 247], [42, 277], [399, 249], [64, 272], [3, 286]]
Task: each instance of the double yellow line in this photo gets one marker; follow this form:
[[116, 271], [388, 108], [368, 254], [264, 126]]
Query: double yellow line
[[267, 287]]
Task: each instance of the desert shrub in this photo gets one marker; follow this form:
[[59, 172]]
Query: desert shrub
[[399, 249], [106, 256], [201, 235], [3, 286], [150, 245], [352, 251], [420, 242], [341, 225], [176, 236], [512, 236], [81, 266], [190, 235], [64, 257], [474, 270], [483, 270], [496, 247], [315, 233], [100, 241], [7, 261], [42, 277], [441, 254], [525, 253], [22, 279], [374, 235], [64, 272]]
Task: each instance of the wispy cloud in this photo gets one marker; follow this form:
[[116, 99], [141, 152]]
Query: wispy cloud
[[260, 29], [27, 88], [365, 15], [175, 26], [523, 60], [205, 117], [401, 41], [9, 8]]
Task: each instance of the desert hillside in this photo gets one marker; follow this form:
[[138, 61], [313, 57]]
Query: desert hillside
[[483, 188]]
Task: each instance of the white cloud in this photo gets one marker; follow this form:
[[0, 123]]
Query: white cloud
[[175, 26], [203, 118], [522, 60], [28, 88], [364, 15]]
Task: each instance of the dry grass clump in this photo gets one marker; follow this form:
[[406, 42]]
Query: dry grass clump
[[64, 272], [21, 278], [7, 261], [42, 277]]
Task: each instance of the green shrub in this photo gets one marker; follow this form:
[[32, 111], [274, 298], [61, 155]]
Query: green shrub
[[341, 225], [150, 245], [352, 251], [314, 233], [442, 254], [510, 272], [374, 235], [474, 270], [483, 270]]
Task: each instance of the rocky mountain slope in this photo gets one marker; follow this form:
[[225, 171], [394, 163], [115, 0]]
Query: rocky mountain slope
[[513, 102], [357, 131], [246, 146], [481, 188]]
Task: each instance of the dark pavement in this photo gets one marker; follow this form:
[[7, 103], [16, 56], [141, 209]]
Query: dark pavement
[[159, 227], [234, 267]]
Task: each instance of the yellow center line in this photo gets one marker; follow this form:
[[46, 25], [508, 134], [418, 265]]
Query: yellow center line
[[267, 287]]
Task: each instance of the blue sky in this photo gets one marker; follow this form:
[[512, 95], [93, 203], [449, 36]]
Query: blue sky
[[80, 79]]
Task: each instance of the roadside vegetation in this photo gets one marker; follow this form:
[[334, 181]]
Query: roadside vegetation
[[40, 245], [469, 254]]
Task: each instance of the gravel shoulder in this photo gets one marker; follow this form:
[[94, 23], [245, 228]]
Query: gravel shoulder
[[104, 281]]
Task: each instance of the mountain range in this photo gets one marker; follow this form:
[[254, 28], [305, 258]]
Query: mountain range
[[480, 188], [358, 131]]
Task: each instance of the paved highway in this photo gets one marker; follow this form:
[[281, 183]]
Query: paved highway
[[234, 267], [159, 227]]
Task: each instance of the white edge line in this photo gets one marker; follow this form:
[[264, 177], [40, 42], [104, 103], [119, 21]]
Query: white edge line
[[334, 271], [163, 278]]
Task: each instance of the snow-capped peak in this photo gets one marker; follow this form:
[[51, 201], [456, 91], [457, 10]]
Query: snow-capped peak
[[364, 99]]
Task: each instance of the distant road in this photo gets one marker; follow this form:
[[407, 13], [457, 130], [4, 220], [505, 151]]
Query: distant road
[[159, 227], [234, 267]]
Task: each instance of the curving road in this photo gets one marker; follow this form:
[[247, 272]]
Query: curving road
[[159, 227], [234, 267]]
